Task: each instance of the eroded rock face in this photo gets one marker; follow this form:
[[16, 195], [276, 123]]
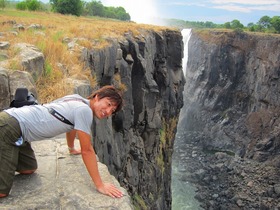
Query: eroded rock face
[[232, 105], [4, 89], [137, 144], [232, 90], [32, 59]]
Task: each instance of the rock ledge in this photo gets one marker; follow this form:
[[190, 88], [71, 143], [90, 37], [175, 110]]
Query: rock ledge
[[61, 182]]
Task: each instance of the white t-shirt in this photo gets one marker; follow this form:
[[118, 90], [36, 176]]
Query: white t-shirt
[[37, 123]]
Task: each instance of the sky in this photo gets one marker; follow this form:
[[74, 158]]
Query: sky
[[216, 11]]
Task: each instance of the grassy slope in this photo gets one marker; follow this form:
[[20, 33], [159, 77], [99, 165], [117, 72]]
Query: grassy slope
[[92, 32]]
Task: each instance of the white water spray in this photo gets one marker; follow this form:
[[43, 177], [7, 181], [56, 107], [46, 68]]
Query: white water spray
[[186, 33]]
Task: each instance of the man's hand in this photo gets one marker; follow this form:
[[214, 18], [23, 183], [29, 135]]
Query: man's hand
[[110, 190], [74, 151], [89, 158]]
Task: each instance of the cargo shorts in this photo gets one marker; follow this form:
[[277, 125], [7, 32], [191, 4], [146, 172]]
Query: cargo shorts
[[12, 157]]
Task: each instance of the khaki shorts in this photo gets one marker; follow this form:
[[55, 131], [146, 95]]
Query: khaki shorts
[[12, 158]]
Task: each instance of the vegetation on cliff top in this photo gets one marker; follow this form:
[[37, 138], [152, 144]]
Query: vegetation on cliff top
[[96, 8], [218, 36], [266, 24], [91, 32], [71, 7]]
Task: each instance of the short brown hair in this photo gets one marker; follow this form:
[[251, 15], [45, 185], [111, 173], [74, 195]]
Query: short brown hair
[[109, 91]]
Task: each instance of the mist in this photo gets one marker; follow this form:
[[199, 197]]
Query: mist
[[145, 11]]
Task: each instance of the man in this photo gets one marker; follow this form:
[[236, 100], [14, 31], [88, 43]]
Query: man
[[19, 126]]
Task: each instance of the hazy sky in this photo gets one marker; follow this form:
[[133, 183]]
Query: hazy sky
[[217, 11]]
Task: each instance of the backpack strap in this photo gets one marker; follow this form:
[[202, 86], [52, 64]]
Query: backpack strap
[[58, 116]]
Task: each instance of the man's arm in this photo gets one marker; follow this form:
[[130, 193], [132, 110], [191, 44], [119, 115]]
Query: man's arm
[[70, 137], [89, 158]]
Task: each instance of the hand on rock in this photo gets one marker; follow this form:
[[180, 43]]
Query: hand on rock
[[110, 190]]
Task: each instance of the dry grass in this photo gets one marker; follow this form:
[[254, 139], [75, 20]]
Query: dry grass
[[219, 34], [60, 62], [121, 86]]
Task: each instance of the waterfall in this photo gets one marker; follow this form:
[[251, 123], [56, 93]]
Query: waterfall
[[186, 33], [183, 191]]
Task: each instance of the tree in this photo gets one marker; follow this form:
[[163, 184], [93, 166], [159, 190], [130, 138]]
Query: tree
[[21, 5], [275, 22], [227, 25], [95, 8], [251, 27], [209, 24], [73, 7], [109, 12], [2, 4], [264, 22], [33, 5], [235, 24], [121, 14]]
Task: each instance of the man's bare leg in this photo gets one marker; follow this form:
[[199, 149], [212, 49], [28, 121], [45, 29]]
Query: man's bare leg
[[3, 195], [26, 172]]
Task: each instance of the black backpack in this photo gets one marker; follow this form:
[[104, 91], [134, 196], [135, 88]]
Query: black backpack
[[23, 97]]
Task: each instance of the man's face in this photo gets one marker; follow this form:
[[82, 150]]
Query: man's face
[[104, 108]]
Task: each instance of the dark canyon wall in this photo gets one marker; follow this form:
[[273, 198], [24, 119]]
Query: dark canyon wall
[[138, 150], [232, 93]]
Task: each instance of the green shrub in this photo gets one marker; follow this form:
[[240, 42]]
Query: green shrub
[[2, 4], [21, 5], [33, 5]]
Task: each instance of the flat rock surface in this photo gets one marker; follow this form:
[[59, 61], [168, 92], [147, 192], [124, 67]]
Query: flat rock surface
[[61, 182]]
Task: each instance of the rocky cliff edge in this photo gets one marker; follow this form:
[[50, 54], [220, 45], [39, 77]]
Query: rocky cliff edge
[[61, 182]]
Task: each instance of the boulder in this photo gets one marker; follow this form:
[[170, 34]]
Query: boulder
[[21, 79], [4, 89], [31, 59]]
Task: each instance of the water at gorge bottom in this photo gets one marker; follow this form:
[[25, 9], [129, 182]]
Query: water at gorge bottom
[[183, 192]]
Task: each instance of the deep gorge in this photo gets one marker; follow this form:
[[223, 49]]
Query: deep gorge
[[138, 150], [229, 121]]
